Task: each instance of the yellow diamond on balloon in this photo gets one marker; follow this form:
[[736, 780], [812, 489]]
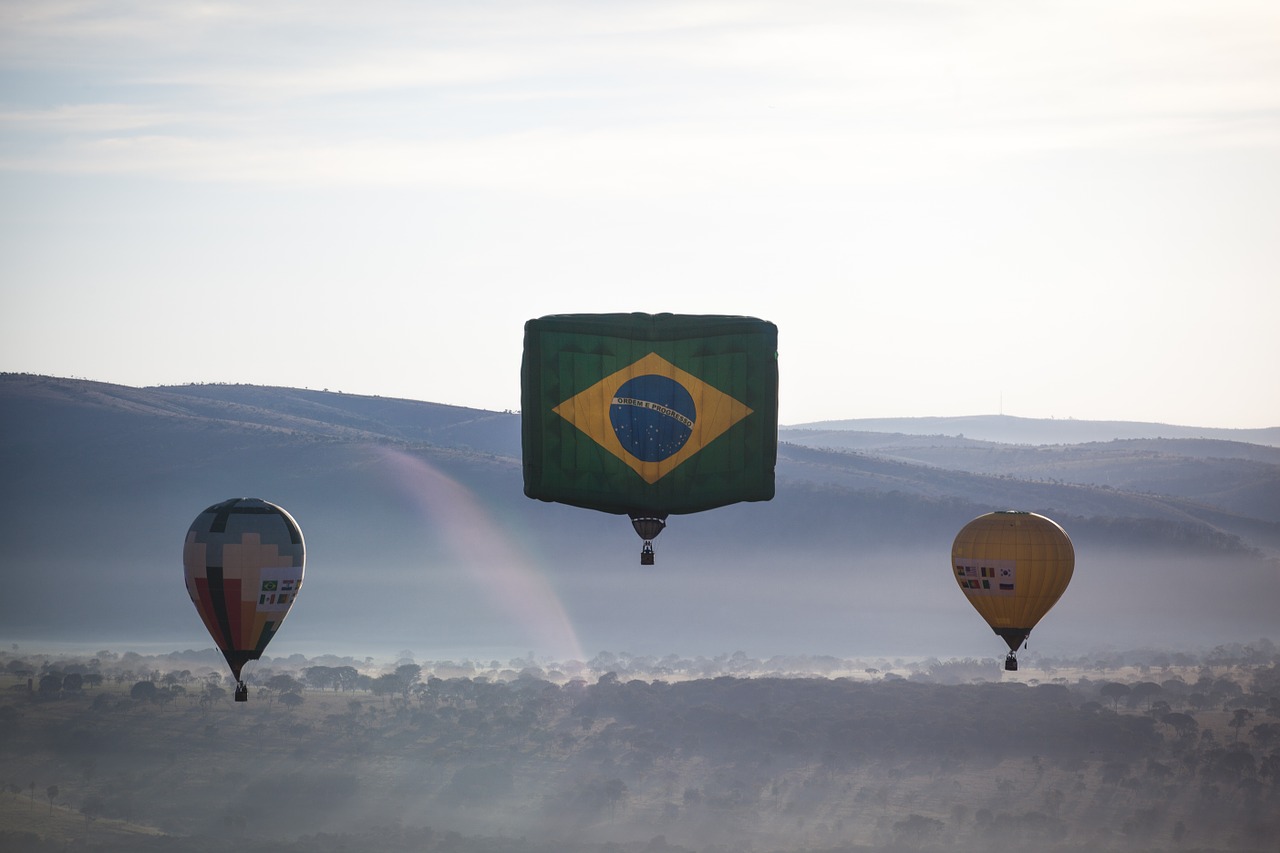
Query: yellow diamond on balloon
[[652, 415]]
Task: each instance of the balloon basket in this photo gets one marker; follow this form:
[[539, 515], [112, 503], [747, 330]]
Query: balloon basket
[[242, 692], [646, 554], [1011, 663]]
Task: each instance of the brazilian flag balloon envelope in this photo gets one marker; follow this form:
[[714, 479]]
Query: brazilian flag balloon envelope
[[243, 560], [649, 415]]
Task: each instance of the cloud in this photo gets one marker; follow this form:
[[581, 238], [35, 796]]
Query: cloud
[[90, 119], [574, 97]]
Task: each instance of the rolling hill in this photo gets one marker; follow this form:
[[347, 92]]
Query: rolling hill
[[419, 533]]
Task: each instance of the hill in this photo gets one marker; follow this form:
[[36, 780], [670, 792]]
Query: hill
[[1007, 429], [419, 534]]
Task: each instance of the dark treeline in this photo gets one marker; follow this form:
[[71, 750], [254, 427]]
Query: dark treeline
[[404, 759]]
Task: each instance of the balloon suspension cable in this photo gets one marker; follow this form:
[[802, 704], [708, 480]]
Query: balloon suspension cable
[[242, 692]]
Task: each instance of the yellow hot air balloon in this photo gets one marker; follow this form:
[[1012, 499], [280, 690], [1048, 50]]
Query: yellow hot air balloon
[[1012, 566]]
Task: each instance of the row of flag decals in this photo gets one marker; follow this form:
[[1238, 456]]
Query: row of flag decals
[[277, 591], [986, 577]]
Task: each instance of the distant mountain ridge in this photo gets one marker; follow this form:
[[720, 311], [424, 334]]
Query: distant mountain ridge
[[1008, 429], [353, 415], [1161, 478]]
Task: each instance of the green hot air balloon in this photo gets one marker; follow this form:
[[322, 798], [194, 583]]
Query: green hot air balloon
[[649, 415]]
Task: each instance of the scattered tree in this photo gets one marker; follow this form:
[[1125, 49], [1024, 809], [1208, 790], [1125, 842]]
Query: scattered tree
[[614, 791], [1114, 691], [1239, 720], [144, 691]]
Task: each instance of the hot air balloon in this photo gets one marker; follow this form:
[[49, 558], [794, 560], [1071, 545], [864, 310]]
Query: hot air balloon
[[649, 415], [243, 560], [1012, 566]]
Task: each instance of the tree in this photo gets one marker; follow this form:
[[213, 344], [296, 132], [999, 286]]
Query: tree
[[321, 677], [386, 685], [916, 829], [407, 675], [291, 700], [52, 793], [50, 685], [1144, 691], [165, 696], [1229, 765], [1239, 720], [175, 677], [1115, 691], [345, 678], [1184, 724], [1265, 734], [1267, 681], [1224, 690], [614, 791], [284, 683], [144, 691]]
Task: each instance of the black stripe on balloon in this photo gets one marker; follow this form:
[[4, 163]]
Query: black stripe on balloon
[[295, 535], [222, 514], [218, 598], [268, 631]]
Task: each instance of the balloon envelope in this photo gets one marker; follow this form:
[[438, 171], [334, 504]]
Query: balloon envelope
[[243, 560], [649, 414], [1012, 566]]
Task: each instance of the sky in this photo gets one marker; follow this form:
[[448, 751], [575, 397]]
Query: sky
[[1044, 209]]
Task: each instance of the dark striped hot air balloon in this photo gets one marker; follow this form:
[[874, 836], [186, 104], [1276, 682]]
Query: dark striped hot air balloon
[[243, 560], [649, 415]]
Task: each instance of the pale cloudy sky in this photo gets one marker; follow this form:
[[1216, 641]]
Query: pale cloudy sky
[[1065, 209]]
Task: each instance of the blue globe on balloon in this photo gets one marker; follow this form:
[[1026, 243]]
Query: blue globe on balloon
[[653, 417]]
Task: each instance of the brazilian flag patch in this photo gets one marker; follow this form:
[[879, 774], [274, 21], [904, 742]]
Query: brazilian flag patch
[[657, 413]]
